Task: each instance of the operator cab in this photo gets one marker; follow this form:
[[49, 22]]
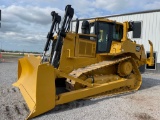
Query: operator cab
[[106, 32]]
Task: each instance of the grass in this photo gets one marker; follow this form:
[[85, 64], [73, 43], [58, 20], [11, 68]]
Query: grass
[[10, 55]]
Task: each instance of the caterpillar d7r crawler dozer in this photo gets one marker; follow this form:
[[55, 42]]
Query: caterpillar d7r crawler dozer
[[102, 59]]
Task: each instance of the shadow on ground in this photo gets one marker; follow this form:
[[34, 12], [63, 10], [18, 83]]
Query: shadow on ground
[[149, 82]]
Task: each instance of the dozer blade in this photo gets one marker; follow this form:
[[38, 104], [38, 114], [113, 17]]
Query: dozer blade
[[37, 84]]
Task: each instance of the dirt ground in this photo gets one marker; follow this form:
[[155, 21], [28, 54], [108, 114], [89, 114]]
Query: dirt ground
[[140, 105]]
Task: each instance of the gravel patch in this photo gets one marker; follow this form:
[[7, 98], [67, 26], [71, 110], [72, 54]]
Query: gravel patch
[[143, 104]]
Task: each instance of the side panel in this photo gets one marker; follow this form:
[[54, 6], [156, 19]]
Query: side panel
[[76, 53], [85, 48]]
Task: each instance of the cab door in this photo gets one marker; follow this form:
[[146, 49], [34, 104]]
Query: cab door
[[104, 38]]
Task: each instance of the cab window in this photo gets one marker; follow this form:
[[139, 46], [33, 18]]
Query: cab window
[[117, 32], [103, 36]]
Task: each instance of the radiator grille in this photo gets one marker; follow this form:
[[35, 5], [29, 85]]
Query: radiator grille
[[87, 48]]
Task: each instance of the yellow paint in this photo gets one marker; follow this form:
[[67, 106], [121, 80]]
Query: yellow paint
[[150, 60], [36, 85]]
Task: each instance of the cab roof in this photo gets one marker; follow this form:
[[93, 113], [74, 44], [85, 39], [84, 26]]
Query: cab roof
[[104, 20]]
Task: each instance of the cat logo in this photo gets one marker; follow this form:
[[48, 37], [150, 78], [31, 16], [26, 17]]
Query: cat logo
[[138, 48]]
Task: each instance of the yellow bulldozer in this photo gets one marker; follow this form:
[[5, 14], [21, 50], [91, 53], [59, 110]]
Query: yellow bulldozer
[[100, 60]]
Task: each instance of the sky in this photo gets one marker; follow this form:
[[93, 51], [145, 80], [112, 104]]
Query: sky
[[26, 23]]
